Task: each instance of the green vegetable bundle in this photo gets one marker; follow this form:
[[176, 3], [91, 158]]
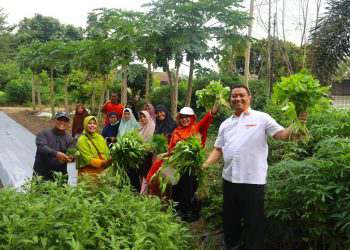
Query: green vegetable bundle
[[158, 144], [129, 151], [73, 152], [187, 158], [297, 94], [213, 92]]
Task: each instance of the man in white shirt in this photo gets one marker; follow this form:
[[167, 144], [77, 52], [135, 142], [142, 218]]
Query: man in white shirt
[[242, 142]]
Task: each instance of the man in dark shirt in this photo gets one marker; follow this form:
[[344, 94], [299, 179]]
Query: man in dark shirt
[[52, 145]]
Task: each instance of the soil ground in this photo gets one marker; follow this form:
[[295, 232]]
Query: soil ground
[[28, 118]]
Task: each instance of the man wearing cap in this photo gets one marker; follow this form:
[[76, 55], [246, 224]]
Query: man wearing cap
[[242, 143], [52, 144]]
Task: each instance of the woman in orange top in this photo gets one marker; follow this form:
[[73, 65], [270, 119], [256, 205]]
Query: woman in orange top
[[184, 191]]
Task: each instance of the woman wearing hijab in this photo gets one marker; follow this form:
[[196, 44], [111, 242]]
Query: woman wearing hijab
[[151, 110], [78, 119], [164, 124], [127, 123], [184, 191], [147, 125], [94, 153]]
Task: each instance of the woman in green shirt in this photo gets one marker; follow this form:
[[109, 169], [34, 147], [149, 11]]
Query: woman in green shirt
[[94, 153]]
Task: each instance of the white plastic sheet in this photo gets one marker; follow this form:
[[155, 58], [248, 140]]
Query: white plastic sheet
[[17, 152]]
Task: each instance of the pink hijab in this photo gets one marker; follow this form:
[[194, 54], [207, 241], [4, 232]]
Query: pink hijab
[[151, 110], [146, 131]]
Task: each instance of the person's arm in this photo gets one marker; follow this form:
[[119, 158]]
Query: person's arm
[[284, 134], [214, 157], [204, 123], [42, 145]]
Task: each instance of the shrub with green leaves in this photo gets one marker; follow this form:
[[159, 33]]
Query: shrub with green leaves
[[309, 199], [52, 216]]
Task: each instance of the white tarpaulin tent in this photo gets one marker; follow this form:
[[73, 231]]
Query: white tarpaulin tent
[[17, 152]]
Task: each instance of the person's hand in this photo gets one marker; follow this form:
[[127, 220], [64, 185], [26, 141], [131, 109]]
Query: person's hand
[[106, 163], [62, 157], [163, 155], [215, 108], [205, 166], [303, 117]]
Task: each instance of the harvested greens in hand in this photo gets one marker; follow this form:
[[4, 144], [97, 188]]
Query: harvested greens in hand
[[213, 92], [297, 94]]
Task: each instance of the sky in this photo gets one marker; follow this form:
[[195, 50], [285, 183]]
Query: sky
[[75, 12]]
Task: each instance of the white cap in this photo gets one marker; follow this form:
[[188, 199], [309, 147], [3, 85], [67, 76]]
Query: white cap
[[186, 111]]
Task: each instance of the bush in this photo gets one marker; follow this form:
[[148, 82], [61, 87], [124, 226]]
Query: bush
[[161, 95], [19, 90], [309, 199], [52, 216], [3, 98]]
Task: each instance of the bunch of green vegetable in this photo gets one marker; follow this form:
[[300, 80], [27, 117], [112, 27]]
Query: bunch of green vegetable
[[73, 152], [158, 144], [298, 94], [51, 216], [213, 92], [186, 158], [128, 152]]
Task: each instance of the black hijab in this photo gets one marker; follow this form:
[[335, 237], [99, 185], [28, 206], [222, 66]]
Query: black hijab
[[166, 126]]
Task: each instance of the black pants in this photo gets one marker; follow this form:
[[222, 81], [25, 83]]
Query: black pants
[[243, 201], [183, 193]]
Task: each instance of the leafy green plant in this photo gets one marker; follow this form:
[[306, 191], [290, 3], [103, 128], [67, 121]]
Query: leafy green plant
[[158, 144], [298, 94], [128, 152], [186, 158], [51, 216], [213, 92]]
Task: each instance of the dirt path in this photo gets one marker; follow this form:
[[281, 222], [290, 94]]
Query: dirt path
[[27, 118]]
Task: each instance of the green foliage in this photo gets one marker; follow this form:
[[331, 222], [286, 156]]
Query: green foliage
[[297, 94], [19, 89], [187, 157], [161, 95], [128, 152], [8, 71], [309, 197], [52, 216], [159, 144], [301, 91], [137, 74], [3, 98], [214, 92]]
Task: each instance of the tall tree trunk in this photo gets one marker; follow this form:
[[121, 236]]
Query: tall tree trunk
[[102, 97], [38, 93], [66, 104], [190, 83], [173, 94], [232, 68], [148, 80], [268, 64], [93, 99], [305, 14], [52, 93], [247, 51], [33, 92], [124, 87]]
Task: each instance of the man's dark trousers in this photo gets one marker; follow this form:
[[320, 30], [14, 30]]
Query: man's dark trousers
[[243, 201]]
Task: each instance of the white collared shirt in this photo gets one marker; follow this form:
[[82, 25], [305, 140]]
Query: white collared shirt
[[243, 140]]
